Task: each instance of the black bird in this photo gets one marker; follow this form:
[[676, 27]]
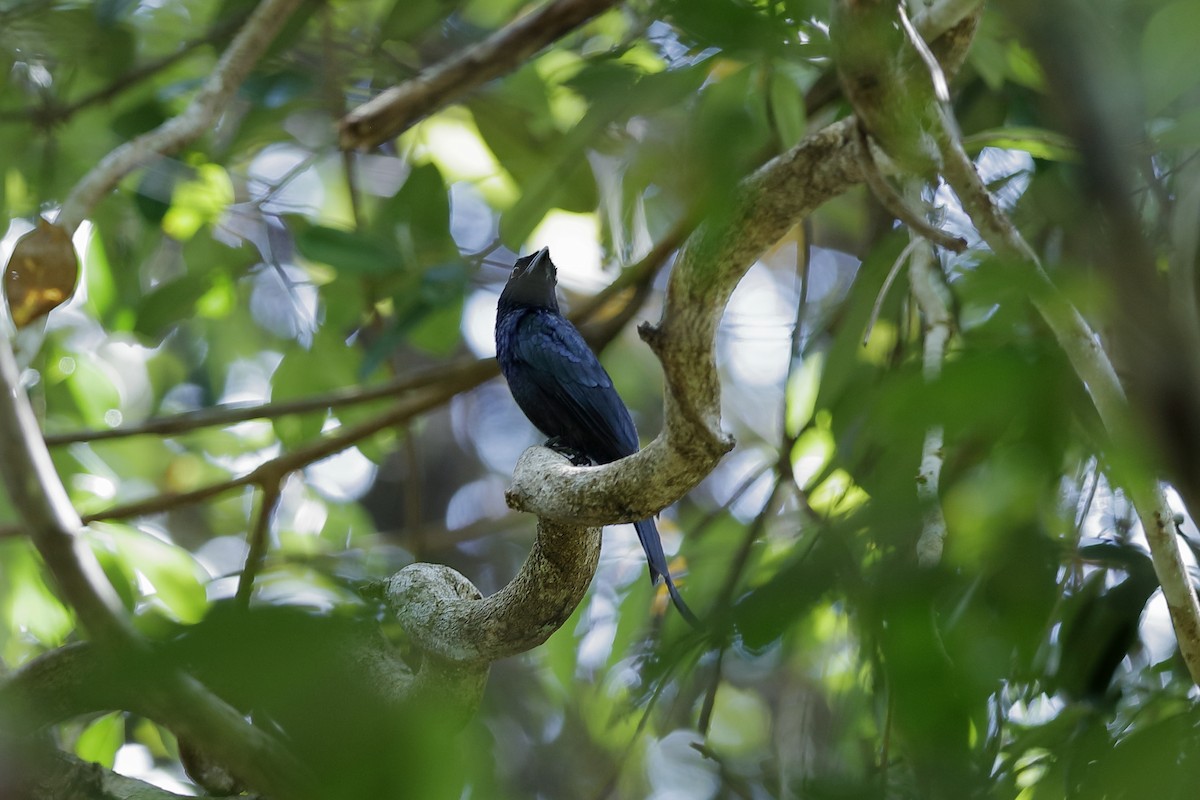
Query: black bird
[[559, 384]]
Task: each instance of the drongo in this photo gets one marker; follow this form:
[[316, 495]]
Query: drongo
[[559, 384]]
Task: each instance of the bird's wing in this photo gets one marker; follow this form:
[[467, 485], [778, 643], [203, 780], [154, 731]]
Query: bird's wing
[[565, 369]]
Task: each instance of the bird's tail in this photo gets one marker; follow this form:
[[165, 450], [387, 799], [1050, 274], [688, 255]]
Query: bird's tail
[[647, 533]]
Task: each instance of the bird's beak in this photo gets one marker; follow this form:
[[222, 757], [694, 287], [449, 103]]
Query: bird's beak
[[540, 259]]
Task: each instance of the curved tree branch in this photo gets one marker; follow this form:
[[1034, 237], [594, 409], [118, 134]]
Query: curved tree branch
[[444, 614]]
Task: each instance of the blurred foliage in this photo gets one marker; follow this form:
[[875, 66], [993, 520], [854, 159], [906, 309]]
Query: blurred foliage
[[260, 264]]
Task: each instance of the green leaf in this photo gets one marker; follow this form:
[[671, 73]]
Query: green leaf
[[169, 303], [416, 219], [1183, 131], [198, 201], [438, 332], [27, 603], [740, 721], [787, 109], [348, 251], [177, 578], [1038, 142], [329, 364], [94, 392], [100, 741], [409, 17]]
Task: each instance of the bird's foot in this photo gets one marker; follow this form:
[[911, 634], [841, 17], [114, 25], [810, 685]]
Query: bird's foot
[[577, 458]]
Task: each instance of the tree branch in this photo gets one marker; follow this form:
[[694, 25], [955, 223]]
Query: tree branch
[[398, 108], [444, 614], [259, 536], [176, 699], [64, 775], [897, 206], [227, 76]]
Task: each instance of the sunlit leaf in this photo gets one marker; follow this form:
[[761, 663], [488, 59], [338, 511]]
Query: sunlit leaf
[[1039, 143], [101, 739], [28, 603], [177, 579], [198, 201]]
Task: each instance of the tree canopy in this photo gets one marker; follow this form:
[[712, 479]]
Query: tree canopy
[[903, 300]]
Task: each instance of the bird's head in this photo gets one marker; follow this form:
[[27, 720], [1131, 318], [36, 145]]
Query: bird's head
[[532, 282]]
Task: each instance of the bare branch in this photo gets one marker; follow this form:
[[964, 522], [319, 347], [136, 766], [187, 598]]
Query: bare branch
[[64, 775], [235, 64], [395, 110]]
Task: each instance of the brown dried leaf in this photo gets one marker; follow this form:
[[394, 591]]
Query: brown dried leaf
[[41, 273]]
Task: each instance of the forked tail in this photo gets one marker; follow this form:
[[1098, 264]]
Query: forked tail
[[647, 533]]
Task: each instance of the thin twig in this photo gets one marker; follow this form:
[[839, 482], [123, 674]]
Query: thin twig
[[887, 285], [710, 696], [891, 200], [787, 438], [699, 529], [273, 470], [258, 543], [742, 557], [230, 414], [414, 491]]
